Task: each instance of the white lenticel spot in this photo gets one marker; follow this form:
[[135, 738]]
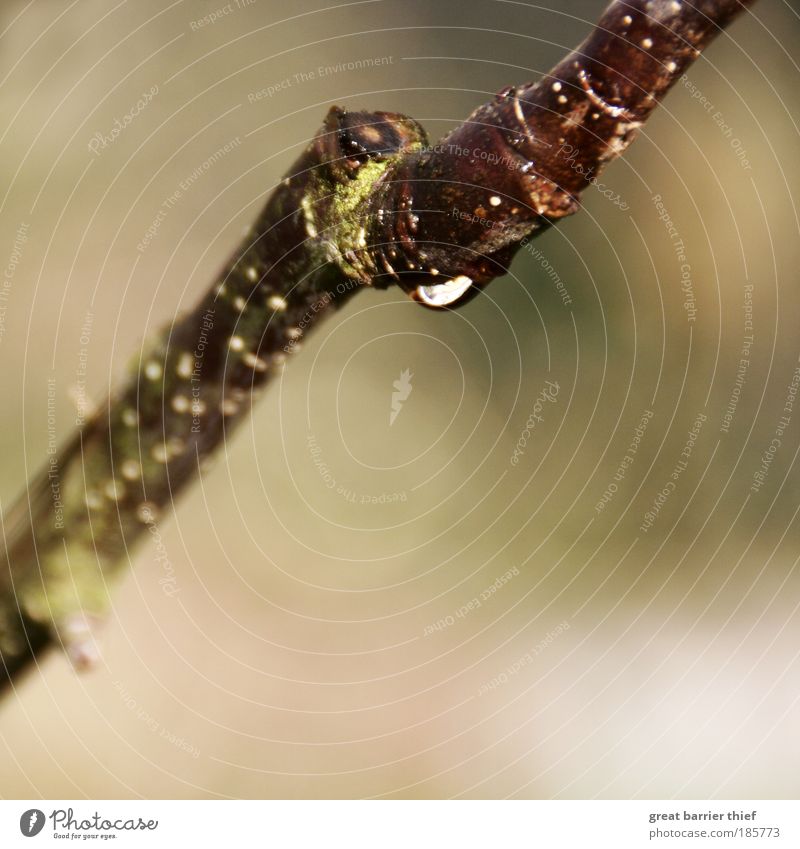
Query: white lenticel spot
[[627, 20], [647, 43], [180, 403], [93, 500], [159, 453], [254, 362], [152, 370], [562, 98], [185, 365], [229, 407], [276, 302], [252, 273], [131, 470], [556, 86], [236, 343], [113, 490], [672, 67], [239, 302], [130, 418], [494, 200]]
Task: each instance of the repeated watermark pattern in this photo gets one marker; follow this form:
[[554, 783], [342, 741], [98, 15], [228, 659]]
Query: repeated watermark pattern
[[168, 581], [473, 604], [6, 282], [525, 660], [743, 366], [53, 474], [736, 144], [153, 724], [82, 403], [548, 395], [681, 464], [193, 366], [528, 244], [180, 190], [219, 14], [348, 494], [402, 391], [625, 463], [775, 443], [318, 73], [689, 301]]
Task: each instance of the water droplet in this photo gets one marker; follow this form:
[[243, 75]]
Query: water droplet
[[443, 294]]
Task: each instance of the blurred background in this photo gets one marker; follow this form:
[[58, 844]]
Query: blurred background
[[354, 608]]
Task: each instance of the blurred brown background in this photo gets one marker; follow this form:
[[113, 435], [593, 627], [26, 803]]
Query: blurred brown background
[[300, 655]]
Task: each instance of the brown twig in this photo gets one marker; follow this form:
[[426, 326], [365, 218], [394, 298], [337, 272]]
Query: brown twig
[[369, 203]]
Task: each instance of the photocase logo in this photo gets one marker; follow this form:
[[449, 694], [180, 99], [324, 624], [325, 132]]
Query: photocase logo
[[402, 388], [31, 822]]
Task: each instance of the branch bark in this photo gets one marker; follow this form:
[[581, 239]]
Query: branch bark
[[369, 203]]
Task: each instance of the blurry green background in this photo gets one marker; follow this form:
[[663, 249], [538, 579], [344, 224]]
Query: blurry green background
[[300, 656]]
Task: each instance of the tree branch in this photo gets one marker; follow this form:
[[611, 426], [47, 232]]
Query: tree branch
[[369, 203]]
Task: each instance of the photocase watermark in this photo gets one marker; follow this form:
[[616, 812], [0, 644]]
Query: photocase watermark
[[689, 303], [402, 391], [526, 660], [743, 366], [32, 822], [473, 604], [168, 581], [100, 141], [67, 826], [219, 13], [625, 463], [348, 494], [320, 72], [570, 154], [548, 395], [183, 186], [20, 238], [649, 518], [719, 119], [760, 475], [152, 723]]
